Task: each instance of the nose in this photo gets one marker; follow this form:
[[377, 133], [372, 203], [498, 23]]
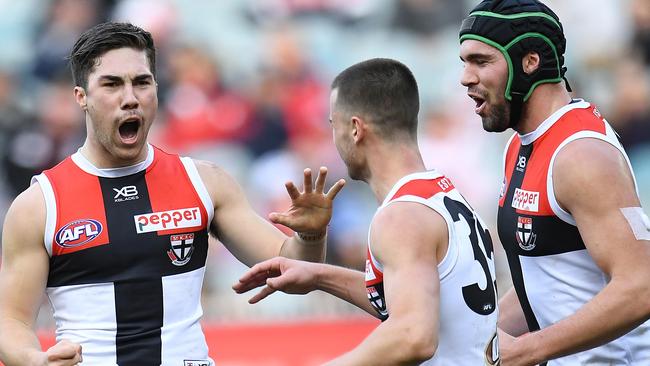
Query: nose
[[129, 99], [468, 77]]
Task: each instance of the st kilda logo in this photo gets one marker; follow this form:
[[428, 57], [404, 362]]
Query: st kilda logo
[[525, 236], [182, 247]]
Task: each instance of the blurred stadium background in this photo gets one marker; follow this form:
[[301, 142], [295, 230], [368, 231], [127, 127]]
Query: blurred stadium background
[[244, 83]]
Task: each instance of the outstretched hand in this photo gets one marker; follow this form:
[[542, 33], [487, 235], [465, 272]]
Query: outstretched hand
[[311, 210], [278, 274]]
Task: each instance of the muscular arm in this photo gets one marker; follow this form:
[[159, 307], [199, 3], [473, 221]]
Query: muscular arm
[[511, 317], [253, 239], [23, 277], [592, 181], [406, 238]]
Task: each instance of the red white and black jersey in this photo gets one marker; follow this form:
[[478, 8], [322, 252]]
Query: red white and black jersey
[[128, 248], [552, 272], [468, 299]]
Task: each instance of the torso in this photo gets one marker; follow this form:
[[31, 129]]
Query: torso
[[552, 271], [127, 250]]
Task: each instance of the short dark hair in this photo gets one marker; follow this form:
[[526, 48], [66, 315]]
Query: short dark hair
[[382, 90], [105, 37]]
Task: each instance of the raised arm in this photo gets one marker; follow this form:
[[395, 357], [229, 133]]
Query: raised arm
[[23, 277], [592, 181], [253, 239]]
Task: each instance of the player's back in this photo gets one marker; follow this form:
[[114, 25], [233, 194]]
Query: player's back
[[468, 301]]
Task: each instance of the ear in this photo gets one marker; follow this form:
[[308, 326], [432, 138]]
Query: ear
[[80, 97], [359, 129], [530, 62]]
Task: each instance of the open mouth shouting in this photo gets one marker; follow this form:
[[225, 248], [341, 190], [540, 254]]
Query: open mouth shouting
[[480, 102], [129, 128]]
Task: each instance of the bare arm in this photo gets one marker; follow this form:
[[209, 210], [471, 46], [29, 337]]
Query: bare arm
[[511, 317], [253, 239], [593, 182], [299, 278], [406, 238], [23, 277]]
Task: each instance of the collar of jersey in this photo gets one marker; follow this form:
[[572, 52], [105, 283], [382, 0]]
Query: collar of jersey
[[85, 165], [429, 174], [530, 137]]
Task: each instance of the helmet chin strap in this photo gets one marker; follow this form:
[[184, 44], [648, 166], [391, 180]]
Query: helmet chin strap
[[566, 82], [516, 108], [517, 103]]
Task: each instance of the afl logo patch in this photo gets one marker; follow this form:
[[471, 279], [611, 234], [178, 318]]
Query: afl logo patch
[[78, 233]]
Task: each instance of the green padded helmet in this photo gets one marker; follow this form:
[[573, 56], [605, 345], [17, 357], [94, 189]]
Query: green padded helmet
[[516, 27]]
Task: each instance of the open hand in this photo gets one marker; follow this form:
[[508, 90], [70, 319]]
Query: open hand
[[278, 274], [311, 210]]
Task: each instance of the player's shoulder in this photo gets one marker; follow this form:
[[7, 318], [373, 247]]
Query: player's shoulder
[[589, 155], [28, 210], [219, 183], [30, 199], [210, 172], [410, 221], [402, 212], [588, 169]]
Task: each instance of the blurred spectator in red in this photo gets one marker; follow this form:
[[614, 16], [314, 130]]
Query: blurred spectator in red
[[299, 94], [200, 109]]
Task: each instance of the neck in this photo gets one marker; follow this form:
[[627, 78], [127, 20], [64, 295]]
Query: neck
[[101, 158], [545, 100], [389, 162]]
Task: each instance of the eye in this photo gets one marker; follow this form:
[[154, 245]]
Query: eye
[[144, 82], [110, 84]]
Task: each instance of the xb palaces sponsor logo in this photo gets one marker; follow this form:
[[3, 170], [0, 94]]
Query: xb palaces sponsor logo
[[168, 220], [525, 236], [182, 247], [126, 193], [521, 163], [78, 233]]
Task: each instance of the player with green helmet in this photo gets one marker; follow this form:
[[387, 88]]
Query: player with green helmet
[[569, 217]]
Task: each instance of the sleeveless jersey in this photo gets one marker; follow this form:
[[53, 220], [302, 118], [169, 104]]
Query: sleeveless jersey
[[127, 250], [468, 300], [552, 271]]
